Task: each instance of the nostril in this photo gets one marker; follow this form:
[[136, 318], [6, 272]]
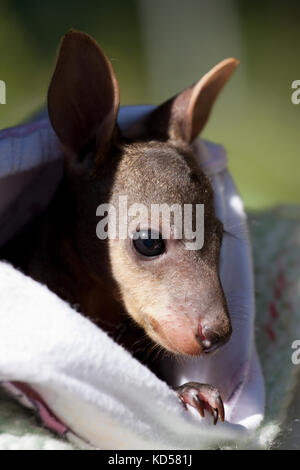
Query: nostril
[[208, 340]]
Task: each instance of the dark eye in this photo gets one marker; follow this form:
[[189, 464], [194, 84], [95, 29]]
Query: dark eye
[[147, 246]]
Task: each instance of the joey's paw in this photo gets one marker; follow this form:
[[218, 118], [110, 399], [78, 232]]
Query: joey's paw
[[202, 397]]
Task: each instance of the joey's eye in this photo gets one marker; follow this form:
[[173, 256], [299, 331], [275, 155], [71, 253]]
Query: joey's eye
[[147, 246]]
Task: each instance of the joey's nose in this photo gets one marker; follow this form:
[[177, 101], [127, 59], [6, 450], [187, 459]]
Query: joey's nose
[[209, 340]]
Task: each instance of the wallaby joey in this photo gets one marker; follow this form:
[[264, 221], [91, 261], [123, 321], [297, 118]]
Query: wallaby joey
[[143, 285]]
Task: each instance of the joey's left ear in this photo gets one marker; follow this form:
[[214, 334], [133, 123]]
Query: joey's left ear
[[184, 116]]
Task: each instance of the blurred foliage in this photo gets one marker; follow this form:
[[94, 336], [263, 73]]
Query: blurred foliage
[[157, 48]]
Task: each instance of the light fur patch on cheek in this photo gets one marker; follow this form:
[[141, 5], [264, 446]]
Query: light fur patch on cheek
[[141, 292], [149, 302]]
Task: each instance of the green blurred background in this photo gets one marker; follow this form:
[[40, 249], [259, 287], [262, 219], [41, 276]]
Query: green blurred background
[[158, 47]]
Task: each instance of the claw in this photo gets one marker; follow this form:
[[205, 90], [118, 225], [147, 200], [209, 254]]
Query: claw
[[182, 401], [202, 397], [199, 405], [215, 414], [221, 409]]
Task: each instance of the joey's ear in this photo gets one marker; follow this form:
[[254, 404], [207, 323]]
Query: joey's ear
[[184, 116], [83, 96]]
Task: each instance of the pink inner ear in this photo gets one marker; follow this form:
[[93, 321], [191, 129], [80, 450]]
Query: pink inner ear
[[202, 96], [183, 117]]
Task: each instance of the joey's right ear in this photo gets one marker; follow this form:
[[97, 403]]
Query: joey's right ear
[[183, 117], [83, 97]]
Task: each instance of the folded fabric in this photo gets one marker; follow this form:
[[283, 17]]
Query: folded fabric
[[81, 383]]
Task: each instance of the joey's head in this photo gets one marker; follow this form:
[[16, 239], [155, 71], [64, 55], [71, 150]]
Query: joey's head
[[166, 273]]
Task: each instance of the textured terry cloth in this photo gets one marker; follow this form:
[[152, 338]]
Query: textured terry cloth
[[78, 380]]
